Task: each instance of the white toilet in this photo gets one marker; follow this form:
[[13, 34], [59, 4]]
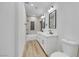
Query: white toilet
[[69, 47]]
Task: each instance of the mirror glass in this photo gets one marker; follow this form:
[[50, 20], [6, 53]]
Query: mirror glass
[[52, 20], [42, 23], [32, 27]]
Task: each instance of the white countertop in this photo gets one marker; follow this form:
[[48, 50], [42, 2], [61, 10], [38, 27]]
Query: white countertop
[[47, 34]]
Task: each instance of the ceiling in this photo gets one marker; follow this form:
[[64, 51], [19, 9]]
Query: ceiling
[[37, 8]]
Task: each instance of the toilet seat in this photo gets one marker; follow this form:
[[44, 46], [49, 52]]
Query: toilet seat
[[58, 54]]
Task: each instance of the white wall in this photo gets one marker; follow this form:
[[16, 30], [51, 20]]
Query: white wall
[[12, 29], [20, 28], [68, 20], [7, 29]]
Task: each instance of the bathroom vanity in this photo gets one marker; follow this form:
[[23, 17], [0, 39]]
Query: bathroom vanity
[[48, 42]]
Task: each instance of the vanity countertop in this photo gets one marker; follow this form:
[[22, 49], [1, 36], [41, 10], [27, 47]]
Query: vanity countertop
[[47, 34]]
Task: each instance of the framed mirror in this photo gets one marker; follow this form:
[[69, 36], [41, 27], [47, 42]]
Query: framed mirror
[[32, 27], [52, 20], [42, 24]]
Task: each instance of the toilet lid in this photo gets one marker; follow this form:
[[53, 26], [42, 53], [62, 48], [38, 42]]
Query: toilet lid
[[58, 54]]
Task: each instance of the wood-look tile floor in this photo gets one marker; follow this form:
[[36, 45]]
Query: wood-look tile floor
[[33, 49]]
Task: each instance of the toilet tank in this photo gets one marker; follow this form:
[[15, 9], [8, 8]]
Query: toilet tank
[[70, 47]]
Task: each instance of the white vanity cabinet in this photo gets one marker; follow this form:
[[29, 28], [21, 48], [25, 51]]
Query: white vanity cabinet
[[48, 42]]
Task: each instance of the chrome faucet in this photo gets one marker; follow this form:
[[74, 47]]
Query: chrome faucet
[[50, 32]]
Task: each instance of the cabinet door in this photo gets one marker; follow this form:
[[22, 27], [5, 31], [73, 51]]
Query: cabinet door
[[50, 45], [40, 39]]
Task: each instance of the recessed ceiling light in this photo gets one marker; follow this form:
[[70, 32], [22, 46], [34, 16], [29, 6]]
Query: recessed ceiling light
[[32, 4]]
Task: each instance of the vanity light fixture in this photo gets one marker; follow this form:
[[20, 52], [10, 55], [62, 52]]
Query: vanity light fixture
[[51, 8]]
